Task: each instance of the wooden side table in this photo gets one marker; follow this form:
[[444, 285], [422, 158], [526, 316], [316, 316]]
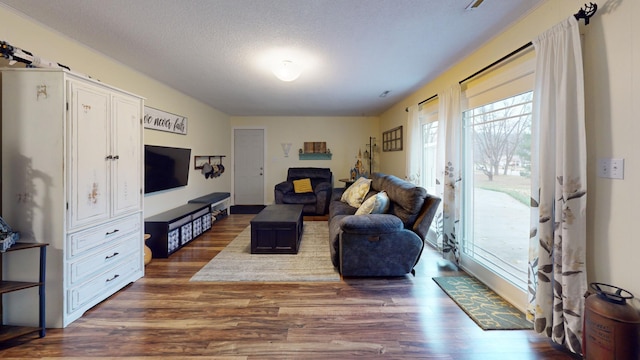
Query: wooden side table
[[347, 182], [8, 332]]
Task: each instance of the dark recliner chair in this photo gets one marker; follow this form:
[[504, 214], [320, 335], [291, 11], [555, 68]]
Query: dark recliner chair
[[316, 202]]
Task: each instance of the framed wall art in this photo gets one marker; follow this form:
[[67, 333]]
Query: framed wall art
[[392, 139]]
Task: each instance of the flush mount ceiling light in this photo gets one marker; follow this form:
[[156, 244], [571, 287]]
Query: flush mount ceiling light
[[287, 70]]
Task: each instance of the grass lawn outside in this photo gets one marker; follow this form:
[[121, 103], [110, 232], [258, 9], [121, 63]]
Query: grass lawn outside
[[516, 186]]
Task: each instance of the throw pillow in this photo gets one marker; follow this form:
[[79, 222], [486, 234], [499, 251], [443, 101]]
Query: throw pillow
[[355, 193], [377, 204], [302, 186]]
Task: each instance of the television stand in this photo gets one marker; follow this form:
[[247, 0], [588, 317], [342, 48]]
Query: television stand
[[175, 228]]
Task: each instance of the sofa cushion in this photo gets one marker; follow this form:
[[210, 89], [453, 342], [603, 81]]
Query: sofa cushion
[[406, 199], [304, 198], [354, 194], [371, 224], [377, 204], [302, 186], [338, 207], [211, 198]]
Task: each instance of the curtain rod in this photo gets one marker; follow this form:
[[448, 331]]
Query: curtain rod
[[584, 13], [423, 101], [514, 52], [427, 99]]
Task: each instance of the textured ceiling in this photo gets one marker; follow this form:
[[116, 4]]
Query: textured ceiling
[[217, 50]]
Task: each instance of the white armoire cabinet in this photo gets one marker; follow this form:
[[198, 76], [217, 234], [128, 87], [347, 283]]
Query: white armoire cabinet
[[72, 177]]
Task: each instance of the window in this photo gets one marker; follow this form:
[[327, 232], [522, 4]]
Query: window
[[428, 114], [496, 163], [497, 168]]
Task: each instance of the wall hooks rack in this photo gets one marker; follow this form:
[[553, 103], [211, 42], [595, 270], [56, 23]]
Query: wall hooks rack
[[210, 165]]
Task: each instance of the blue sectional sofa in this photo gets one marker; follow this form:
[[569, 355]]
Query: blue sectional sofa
[[381, 244]]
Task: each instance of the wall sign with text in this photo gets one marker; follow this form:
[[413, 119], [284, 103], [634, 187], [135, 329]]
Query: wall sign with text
[[164, 121]]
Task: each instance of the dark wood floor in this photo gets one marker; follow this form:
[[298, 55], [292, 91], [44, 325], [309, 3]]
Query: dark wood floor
[[163, 315]]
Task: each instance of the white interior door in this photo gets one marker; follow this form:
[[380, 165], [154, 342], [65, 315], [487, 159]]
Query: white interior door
[[248, 154]]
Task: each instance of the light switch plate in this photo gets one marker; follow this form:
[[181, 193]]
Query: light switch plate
[[611, 168], [617, 168]]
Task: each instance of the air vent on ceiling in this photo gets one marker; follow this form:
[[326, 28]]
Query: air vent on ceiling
[[474, 4]]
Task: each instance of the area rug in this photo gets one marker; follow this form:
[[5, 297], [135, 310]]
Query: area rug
[[485, 307], [236, 263]]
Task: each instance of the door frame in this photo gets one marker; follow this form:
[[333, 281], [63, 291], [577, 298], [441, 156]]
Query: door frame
[[233, 163]]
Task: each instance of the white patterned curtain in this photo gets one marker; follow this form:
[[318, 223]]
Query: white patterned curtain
[[414, 146], [557, 269], [449, 171]]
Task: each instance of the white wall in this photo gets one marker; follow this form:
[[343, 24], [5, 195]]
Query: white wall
[[612, 79], [344, 137], [208, 129]]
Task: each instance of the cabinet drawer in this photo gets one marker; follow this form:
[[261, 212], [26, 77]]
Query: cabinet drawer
[[178, 223], [81, 269], [104, 284], [90, 239], [200, 213]]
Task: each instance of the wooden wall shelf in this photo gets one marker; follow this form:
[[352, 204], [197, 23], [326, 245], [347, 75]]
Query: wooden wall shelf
[[315, 156]]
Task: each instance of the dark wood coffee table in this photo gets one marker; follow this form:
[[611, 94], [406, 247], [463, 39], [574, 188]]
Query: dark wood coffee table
[[277, 229]]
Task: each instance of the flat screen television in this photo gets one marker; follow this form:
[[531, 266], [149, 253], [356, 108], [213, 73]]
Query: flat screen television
[[165, 167]]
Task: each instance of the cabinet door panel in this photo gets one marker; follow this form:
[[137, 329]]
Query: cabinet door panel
[[127, 168], [90, 163]]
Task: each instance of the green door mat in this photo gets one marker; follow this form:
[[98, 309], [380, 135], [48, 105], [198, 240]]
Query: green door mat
[[485, 307]]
